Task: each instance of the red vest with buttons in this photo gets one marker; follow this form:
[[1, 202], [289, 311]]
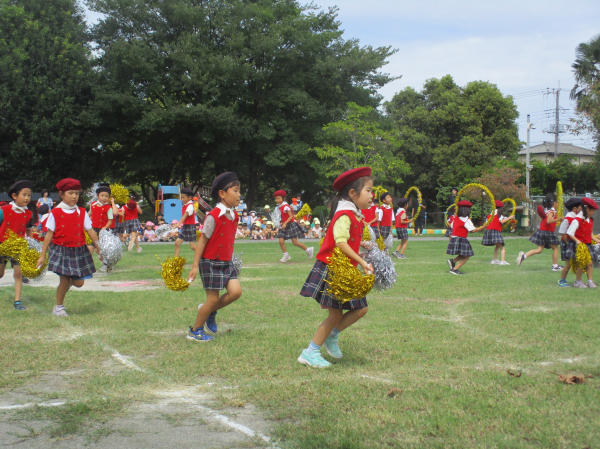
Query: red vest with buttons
[[495, 225], [130, 214], [220, 244], [451, 221], [356, 230], [284, 216], [43, 223], [458, 228], [386, 219], [369, 213], [190, 219], [68, 230], [544, 226], [399, 218], [100, 215], [15, 221], [565, 237], [584, 231]]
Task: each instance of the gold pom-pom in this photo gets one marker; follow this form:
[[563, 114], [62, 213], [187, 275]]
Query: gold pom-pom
[[366, 234], [88, 239], [510, 224], [380, 242], [119, 193], [321, 241], [28, 261], [13, 245], [304, 210], [172, 269], [346, 282], [582, 258], [198, 234]]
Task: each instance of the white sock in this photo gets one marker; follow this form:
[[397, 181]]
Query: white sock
[[285, 254]]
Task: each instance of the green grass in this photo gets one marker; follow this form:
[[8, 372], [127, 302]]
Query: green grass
[[445, 341]]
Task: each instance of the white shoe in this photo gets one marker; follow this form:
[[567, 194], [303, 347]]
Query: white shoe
[[59, 311], [103, 269], [309, 252], [130, 246], [520, 258], [504, 262], [495, 262], [139, 249], [285, 258], [579, 284]]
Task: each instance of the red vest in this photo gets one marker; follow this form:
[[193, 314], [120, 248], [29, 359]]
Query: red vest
[[15, 221], [130, 214], [584, 231], [220, 244], [356, 230], [284, 216], [100, 215], [451, 220], [43, 223], [386, 219], [191, 219], [565, 237], [495, 225], [458, 228], [69, 229], [399, 218], [369, 213], [544, 226]]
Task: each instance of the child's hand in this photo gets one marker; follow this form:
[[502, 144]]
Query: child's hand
[[367, 267], [192, 274], [283, 225], [41, 261]]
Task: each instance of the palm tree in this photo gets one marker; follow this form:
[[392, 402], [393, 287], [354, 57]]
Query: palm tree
[[587, 75]]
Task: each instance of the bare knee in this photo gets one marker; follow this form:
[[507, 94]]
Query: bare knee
[[78, 284], [362, 312]]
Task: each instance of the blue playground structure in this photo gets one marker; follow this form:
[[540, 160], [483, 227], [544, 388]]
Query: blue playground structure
[[168, 202]]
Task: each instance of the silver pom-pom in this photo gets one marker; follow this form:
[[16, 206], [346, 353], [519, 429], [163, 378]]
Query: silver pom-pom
[[595, 253], [389, 241], [37, 246], [383, 268], [236, 260], [110, 248], [276, 218], [162, 231]]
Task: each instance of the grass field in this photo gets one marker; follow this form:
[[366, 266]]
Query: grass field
[[445, 341]]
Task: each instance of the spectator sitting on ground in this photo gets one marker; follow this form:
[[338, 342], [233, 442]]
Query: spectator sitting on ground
[[257, 233], [317, 229], [269, 232], [245, 218], [239, 233], [149, 235], [267, 213], [263, 225], [174, 234], [245, 230], [160, 220]]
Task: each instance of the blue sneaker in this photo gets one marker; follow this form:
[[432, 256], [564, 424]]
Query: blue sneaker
[[19, 306], [332, 348], [198, 335], [562, 283], [313, 358], [211, 323]]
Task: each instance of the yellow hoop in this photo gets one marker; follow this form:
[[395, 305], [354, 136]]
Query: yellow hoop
[[560, 212], [378, 191], [419, 199], [446, 214], [514, 210], [475, 185]]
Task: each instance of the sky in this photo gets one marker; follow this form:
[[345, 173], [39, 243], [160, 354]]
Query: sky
[[522, 47]]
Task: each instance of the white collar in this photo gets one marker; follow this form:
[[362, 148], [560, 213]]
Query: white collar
[[63, 206], [579, 215], [348, 205], [18, 209], [189, 202], [400, 210], [283, 203], [100, 203], [387, 206], [550, 210], [224, 209], [571, 214], [464, 219]]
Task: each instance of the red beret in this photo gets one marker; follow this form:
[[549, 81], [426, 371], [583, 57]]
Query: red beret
[[351, 175], [465, 203], [589, 203], [280, 193], [499, 203], [68, 184], [131, 204]]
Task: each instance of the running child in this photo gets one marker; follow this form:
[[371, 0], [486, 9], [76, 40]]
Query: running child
[[493, 234], [65, 242], [402, 223], [213, 256], [19, 219], [385, 215], [187, 223], [132, 224], [545, 236], [459, 245], [345, 232], [101, 214], [567, 246], [580, 231], [290, 229]]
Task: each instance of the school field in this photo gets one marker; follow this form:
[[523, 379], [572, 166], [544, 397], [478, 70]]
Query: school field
[[440, 361]]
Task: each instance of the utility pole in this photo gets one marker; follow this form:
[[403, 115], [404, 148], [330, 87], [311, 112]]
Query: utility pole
[[556, 123], [527, 165]]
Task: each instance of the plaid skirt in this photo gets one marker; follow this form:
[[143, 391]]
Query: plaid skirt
[[448, 232], [132, 226], [315, 287], [75, 262], [375, 229], [460, 246], [4, 260], [187, 233], [118, 229], [402, 233], [97, 230], [491, 237], [385, 231], [567, 250], [544, 238], [215, 274], [292, 231]]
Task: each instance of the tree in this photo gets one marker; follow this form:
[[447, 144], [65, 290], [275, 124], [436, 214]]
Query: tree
[[191, 88], [503, 182], [357, 141], [451, 134], [45, 93]]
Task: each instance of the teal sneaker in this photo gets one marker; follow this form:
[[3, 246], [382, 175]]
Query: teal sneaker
[[211, 322], [562, 283], [332, 348], [313, 358], [18, 306], [199, 335]]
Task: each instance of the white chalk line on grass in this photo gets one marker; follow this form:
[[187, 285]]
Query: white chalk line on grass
[[32, 404], [125, 361], [380, 379]]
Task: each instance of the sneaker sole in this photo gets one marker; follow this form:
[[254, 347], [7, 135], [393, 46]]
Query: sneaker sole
[[307, 363], [454, 273], [449, 264], [199, 341], [329, 352]]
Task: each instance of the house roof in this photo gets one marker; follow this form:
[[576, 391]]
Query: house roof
[[563, 148]]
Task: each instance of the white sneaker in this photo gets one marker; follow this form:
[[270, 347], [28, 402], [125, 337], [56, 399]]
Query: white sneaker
[[309, 252], [59, 311], [495, 262], [579, 284], [504, 262], [520, 258], [130, 245], [285, 258], [102, 269], [139, 250], [591, 284]]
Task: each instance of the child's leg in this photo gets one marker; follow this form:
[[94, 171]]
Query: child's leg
[[461, 262], [193, 246], [590, 271], [282, 245], [134, 237], [214, 303], [302, 246], [178, 243], [2, 268], [323, 331], [533, 252], [404, 244], [18, 282], [496, 247], [579, 275], [350, 318], [502, 252], [565, 270], [554, 254]]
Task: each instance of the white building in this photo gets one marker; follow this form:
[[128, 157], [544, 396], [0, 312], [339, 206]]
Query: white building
[[545, 153]]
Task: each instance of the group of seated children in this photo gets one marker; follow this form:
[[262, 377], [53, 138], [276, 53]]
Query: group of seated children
[[312, 232], [261, 230]]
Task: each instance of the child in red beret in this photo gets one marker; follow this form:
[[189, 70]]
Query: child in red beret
[[65, 240], [493, 234], [402, 222], [290, 229], [345, 232], [459, 245], [580, 231], [132, 224]]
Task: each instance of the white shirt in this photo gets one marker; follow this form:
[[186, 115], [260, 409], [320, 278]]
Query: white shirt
[[565, 224], [51, 224], [286, 208], [468, 223], [380, 212], [574, 226], [190, 208]]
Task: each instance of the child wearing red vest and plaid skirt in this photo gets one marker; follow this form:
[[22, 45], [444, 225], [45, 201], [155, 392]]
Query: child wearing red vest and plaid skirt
[[132, 224], [459, 245], [213, 256], [101, 213], [580, 231], [545, 236], [65, 242], [493, 234], [385, 215], [402, 222], [290, 229], [187, 222], [344, 232], [567, 246], [18, 218]]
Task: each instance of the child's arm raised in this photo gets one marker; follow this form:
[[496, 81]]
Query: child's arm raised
[[512, 217]]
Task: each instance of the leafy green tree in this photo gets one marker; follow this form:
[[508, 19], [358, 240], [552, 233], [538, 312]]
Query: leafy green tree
[[45, 93]]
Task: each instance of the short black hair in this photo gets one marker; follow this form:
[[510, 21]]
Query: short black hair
[[384, 195], [464, 211]]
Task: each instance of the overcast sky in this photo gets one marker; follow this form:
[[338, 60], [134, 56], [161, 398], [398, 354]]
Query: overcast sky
[[519, 46]]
